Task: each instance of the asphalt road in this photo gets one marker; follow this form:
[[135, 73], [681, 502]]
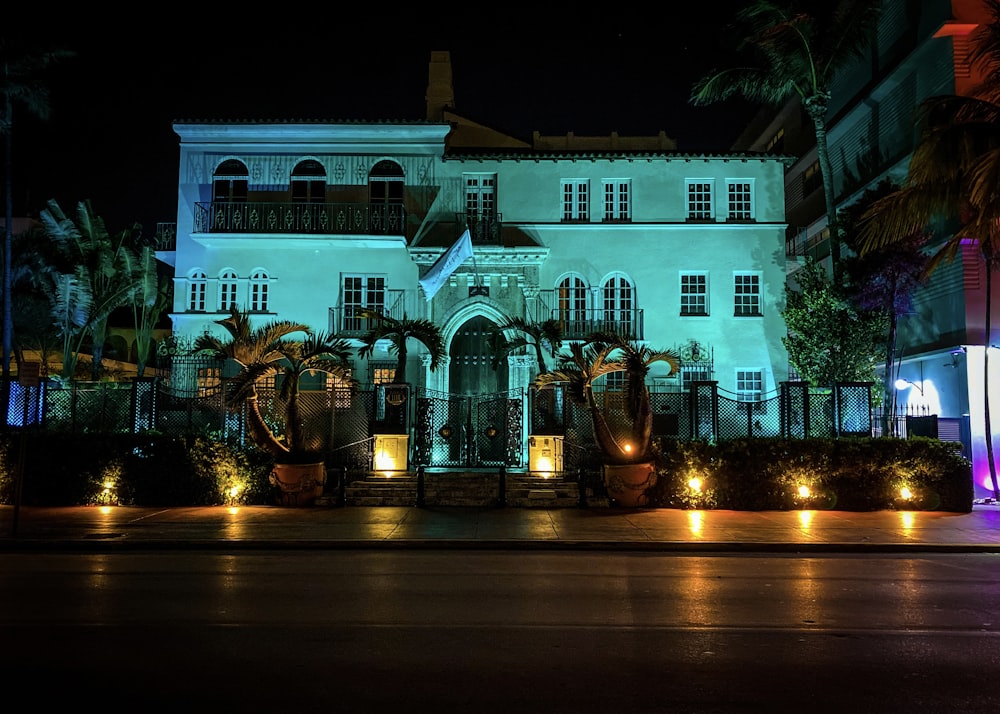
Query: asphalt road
[[500, 631]]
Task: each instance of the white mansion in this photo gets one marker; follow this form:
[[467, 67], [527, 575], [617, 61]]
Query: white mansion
[[309, 221]]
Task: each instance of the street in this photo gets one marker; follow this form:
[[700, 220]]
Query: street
[[492, 631]]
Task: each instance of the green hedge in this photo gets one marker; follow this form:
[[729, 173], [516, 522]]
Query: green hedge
[[841, 474], [62, 469]]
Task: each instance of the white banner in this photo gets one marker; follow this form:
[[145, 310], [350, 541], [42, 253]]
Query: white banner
[[446, 265]]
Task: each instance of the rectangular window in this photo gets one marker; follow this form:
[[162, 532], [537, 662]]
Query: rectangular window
[[361, 292], [740, 201], [749, 385], [480, 195], [575, 200], [746, 289], [699, 200], [381, 372], [812, 179], [617, 201], [694, 294], [777, 142]]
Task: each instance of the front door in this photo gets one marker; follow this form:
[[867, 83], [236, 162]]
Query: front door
[[471, 370]]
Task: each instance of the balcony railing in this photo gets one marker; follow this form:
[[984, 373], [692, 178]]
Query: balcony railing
[[577, 324], [322, 218], [166, 236], [484, 229], [346, 321]]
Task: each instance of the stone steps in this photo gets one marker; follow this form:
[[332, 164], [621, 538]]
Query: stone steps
[[459, 488]]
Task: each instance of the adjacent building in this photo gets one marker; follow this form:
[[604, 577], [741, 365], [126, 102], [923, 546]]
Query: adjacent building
[[921, 49]]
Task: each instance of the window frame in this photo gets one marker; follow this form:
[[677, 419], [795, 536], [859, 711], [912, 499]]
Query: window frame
[[697, 204], [744, 299], [228, 283], [703, 275], [575, 200], [617, 200], [749, 214], [259, 296], [197, 290]]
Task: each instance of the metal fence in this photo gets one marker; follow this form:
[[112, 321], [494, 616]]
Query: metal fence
[[343, 422]]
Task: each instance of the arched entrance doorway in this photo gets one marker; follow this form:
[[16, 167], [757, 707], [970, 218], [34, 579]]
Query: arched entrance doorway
[[471, 366]]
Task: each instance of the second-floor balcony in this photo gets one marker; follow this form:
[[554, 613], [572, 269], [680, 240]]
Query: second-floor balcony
[[320, 218], [352, 321]]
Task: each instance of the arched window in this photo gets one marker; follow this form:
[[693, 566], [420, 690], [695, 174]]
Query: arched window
[[309, 182], [572, 307], [259, 291], [619, 305], [385, 198], [230, 182], [227, 290], [197, 282]]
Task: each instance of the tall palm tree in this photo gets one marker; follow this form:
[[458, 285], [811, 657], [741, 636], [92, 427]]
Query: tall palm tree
[[600, 354], [795, 51], [399, 331], [270, 351], [20, 70], [952, 185]]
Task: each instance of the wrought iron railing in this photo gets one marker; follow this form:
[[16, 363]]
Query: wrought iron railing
[[349, 320], [484, 229], [286, 217]]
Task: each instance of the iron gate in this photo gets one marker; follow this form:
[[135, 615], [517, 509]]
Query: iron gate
[[468, 430]]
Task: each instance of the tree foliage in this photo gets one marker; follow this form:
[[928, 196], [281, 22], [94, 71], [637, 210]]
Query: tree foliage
[[829, 338], [792, 48]]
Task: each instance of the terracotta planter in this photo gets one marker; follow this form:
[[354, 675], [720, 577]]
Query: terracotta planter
[[627, 483], [298, 484]]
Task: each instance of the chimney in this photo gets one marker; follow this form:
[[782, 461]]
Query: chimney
[[440, 92]]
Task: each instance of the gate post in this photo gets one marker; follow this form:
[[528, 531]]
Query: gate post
[[420, 486], [581, 489], [502, 487]]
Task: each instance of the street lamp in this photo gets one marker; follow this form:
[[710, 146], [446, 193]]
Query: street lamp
[[902, 384]]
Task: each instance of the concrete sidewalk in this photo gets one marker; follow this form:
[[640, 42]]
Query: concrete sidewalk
[[353, 527]]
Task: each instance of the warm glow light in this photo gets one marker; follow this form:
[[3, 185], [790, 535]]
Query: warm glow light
[[628, 448], [905, 493], [804, 491], [390, 452], [694, 522], [234, 491], [108, 485], [233, 510], [695, 484], [906, 517], [105, 510], [805, 518]]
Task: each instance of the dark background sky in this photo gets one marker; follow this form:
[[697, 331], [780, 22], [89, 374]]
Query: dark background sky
[[109, 138]]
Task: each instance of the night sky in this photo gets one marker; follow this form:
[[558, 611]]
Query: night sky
[[109, 138]]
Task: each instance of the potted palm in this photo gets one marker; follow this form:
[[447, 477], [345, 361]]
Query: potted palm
[[627, 450], [284, 350]]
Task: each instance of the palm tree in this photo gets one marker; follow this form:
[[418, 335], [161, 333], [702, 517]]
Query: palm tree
[[105, 272], [600, 354], [269, 351], [953, 180], [152, 297], [399, 331], [20, 69], [794, 51], [539, 337]]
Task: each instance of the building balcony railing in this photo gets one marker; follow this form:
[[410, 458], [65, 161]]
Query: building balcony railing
[[165, 237], [347, 320], [484, 229], [321, 218], [577, 324]]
